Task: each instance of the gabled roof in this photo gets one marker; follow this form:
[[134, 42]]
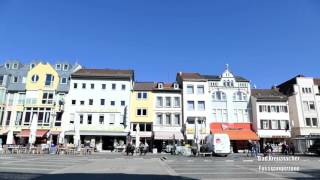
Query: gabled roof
[[268, 95], [104, 73], [287, 87], [199, 77], [153, 86]]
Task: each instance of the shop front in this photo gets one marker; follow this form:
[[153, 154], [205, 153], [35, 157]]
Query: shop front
[[239, 134], [161, 139], [24, 134]]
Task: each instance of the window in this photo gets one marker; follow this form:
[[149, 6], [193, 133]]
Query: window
[[49, 79], [200, 89], [90, 102], [47, 98], [168, 101], [308, 121], [112, 103], [64, 80], [190, 120], [176, 101], [123, 87], [160, 85], [58, 66], [58, 119], [123, 103], [239, 96], [201, 105], [102, 102], [219, 96], [142, 95], [89, 120], [15, 66], [14, 79], [112, 118], [22, 98], [81, 118], [284, 124], [311, 105], [8, 118], [7, 66], [159, 102], [34, 78], [81, 102], [83, 85], [73, 102], [176, 86], [314, 122], [159, 119], [190, 89], [113, 86], [71, 118], [32, 66], [1, 79], [264, 124], [191, 105], [66, 67], [101, 119], [168, 119], [141, 112], [75, 85], [176, 119], [92, 86], [103, 86], [275, 124]]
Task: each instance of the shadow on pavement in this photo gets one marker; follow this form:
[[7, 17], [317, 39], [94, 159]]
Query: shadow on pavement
[[77, 176], [311, 174]]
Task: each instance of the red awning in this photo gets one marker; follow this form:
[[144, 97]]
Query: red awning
[[26, 133], [236, 131]]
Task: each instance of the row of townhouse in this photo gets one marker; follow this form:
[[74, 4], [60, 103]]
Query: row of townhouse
[[108, 106]]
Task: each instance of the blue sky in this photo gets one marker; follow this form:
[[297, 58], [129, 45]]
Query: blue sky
[[267, 41]]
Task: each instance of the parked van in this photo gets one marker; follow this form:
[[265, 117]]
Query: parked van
[[220, 144]]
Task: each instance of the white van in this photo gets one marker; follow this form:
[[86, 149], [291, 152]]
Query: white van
[[221, 144]]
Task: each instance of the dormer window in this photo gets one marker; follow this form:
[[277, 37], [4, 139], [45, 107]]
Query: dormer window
[[160, 85], [8, 66], [15, 66], [176, 86], [58, 66], [66, 67], [64, 80], [32, 65]]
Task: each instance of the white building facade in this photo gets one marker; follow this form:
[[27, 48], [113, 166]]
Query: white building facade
[[98, 101], [304, 103], [168, 114], [270, 115], [219, 104]]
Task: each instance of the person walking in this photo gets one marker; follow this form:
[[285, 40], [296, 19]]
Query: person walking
[[249, 146], [292, 149], [254, 149]]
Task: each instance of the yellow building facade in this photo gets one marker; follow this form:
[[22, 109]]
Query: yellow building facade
[[142, 111]]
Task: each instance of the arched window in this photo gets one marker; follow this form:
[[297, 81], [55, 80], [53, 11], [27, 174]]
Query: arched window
[[239, 96], [219, 96]]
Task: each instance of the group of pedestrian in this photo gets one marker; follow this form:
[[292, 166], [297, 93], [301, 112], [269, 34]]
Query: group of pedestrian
[[288, 149]]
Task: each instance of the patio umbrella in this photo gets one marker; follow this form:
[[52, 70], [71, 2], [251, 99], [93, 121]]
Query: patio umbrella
[[10, 137], [61, 137], [76, 137], [137, 135], [33, 129]]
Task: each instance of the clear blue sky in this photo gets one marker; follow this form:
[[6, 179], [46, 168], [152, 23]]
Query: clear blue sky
[[266, 41]]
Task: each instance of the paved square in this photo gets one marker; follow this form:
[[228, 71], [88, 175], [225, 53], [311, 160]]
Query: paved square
[[119, 166]]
